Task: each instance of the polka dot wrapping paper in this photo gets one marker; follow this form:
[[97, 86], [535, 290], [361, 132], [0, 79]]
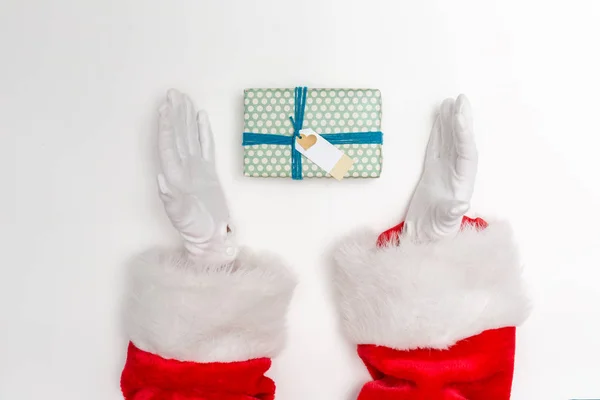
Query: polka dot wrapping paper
[[327, 111]]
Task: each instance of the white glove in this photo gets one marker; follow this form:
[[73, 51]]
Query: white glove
[[188, 185], [444, 192]]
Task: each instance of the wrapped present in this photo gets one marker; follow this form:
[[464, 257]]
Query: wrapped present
[[350, 119]]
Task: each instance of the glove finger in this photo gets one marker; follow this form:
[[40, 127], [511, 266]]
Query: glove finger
[[176, 101], [170, 160], [463, 106], [462, 124], [191, 128], [206, 136], [466, 149], [446, 114], [435, 141]]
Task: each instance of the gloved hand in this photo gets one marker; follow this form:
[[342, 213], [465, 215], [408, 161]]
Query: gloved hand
[[433, 312], [444, 192], [205, 323], [188, 185]]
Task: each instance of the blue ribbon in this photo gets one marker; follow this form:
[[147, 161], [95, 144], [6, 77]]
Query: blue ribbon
[[297, 122], [251, 138]]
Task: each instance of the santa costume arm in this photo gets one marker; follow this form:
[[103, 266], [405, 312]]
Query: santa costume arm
[[203, 321], [432, 304]]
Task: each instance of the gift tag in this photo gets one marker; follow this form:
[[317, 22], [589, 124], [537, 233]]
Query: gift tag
[[324, 154]]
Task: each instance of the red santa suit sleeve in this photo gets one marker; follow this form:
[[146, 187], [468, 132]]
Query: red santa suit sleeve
[[204, 332], [433, 321]]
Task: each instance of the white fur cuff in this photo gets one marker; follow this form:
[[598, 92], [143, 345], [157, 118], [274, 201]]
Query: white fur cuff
[[181, 310], [429, 295]]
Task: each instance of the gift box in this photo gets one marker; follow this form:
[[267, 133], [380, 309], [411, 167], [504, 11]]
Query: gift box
[[350, 119]]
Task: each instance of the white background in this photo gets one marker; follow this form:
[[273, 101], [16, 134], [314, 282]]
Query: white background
[[80, 82]]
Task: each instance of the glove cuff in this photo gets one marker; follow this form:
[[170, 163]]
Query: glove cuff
[[429, 295], [183, 309]]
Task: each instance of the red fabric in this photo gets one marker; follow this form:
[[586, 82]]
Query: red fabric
[[475, 368], [147, 376]]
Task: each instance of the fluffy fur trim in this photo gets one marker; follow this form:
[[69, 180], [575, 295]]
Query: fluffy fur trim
[[183, 310], [429, 295]]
